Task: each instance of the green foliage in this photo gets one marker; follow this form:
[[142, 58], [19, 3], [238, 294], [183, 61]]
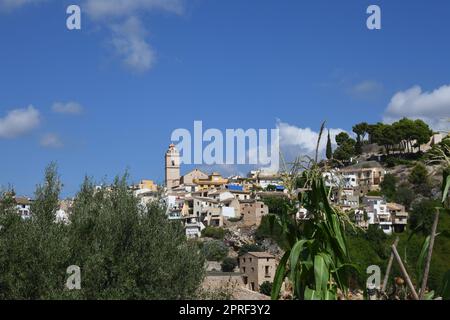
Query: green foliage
[[329, 150], [363, 253], [444, 290], [346, 147], [439, 150], [374, 193], [400, 135], [276, 205], [7, 202], [422, 215], [377, 238], [361, 129], [266, 288], [418, 175], [388, 187], [213, 232], [214, 250], [405, 195], [47, 196], [229, 264], [316, 255], [124, 251]]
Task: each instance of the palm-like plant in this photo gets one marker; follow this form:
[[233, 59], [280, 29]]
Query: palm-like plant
[[316, 256]]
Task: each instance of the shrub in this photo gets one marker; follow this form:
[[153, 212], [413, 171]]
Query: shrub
[[422, 215], [405, 195], [229, 264], [266, 288], [374, 193], [124, 251], [388, 187], [214, 250], [213, 232]]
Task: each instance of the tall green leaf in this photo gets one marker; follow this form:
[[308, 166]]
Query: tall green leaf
[[321, 273], [445, 287], [421, 259], [280, 274], [311, 294], [295, 254], [445, 187]]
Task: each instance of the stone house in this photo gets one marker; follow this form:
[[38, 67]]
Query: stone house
[[257, 268]]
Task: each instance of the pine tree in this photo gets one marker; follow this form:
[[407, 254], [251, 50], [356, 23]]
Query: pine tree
[[329, 148]]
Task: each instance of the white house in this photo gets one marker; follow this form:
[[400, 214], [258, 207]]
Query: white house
[[23, 206], [378, 213]]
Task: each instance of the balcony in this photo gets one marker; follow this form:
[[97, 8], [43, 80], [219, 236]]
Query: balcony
[[401, 221], [401, 214]]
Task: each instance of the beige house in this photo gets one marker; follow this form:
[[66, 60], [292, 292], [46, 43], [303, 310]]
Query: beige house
[[399, 216], [196, 174], [252, 212], [369, 175], [257, 268], [213, 181]]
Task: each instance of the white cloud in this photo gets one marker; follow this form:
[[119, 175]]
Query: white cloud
[[432, 107], [366, 89], [295, 141], [51, 140], [128, 39], [72, 108], [8, 5], [19, 122], [122, 18], [101, 9], [128, 32]]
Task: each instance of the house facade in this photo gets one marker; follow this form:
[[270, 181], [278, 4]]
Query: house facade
[[257, 268]]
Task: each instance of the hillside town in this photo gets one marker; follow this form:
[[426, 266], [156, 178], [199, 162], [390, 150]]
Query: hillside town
[[230, 210]]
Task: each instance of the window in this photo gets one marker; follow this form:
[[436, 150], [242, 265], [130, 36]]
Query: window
[[243, 269], [266, 269], [253, 269], [262, 206]]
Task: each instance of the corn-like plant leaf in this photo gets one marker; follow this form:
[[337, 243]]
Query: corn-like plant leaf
[[330, 295], [429, 295], [321, 273], [446, 187], [280, 274], [338, 234], [445, 287], [311, 294], [421, 259], [296, 252]]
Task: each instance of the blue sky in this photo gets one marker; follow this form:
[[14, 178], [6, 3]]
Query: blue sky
[[136, 72]]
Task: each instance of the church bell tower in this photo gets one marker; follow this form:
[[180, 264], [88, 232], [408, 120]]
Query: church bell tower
[[172, 167]]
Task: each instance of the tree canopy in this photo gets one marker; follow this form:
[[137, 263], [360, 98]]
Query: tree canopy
[[124, 251]]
